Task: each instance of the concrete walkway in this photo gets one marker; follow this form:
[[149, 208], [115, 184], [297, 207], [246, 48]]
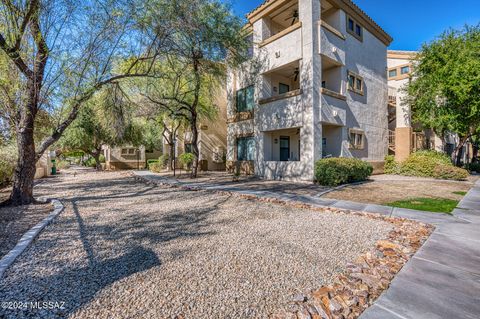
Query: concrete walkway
[[442, 280]]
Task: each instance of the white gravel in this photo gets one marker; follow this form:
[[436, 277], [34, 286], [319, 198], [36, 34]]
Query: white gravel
[[123, 249]]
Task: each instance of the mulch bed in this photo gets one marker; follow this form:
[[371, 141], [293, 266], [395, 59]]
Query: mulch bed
[[16, 221], [364, 280]]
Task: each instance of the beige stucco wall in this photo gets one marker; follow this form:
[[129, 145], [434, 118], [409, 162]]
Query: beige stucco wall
[[311, 109]]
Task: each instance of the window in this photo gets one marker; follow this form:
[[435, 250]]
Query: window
[[284, 148], [245, 99], [405, 70], [392, 73], [351, 24], [356, 138], [128, 151], [188, 148], [324, 84], [283, 88], [358, 30], [355, 83], [354, 28], [245, 148]]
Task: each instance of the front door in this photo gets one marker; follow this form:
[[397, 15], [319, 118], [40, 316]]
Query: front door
[[284, 148]]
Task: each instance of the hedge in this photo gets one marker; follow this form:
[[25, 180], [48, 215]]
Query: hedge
[[449, 172], [425, 164], [8, 160], [337, 171]]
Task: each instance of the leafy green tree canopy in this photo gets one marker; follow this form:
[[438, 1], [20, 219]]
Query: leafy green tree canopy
[[444, 93]]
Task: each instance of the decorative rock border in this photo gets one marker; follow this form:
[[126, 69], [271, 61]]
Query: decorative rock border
[[28, 237], [364, 280]]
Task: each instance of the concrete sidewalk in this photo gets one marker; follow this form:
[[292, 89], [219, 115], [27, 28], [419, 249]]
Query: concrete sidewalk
[[442, 280]]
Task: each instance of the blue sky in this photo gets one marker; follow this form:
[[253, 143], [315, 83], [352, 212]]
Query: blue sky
[[409, 22]]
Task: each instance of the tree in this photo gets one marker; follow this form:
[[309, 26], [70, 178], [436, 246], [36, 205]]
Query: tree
[[103, 120], [205, 39], [444, 93], [64, 52]]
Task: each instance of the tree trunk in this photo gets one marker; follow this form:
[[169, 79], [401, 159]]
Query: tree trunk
[[456, 155], [193, 127], [98, 165], [171, 157], [22, 191]]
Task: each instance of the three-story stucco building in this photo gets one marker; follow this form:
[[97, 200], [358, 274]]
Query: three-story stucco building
[[316, 87]]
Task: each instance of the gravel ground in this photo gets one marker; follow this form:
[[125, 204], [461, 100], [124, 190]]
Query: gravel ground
[[123, 249], [16, 221]]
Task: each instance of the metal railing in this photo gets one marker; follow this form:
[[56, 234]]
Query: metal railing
[[392, 95], [391, 139]]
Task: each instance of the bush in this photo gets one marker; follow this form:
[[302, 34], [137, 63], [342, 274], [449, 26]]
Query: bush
[[391, 166], [423, 163], [62, 164], [163, 160], [90, 162], [450, 172], [8, 159], [473, 167], [186, 159], [102, 158], [151, 161], [155, 167], [337, 171]]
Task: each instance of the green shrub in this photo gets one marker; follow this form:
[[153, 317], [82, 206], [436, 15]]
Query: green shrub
[[102, 158], [90, 162], [449, 172], [391, 166], [337, 171], [473, 167], [8, 159], [155, 167], [163, 160], [62, 164], [423, 163], [186, 159], [151, 161]]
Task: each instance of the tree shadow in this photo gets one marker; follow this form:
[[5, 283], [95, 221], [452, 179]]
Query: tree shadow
[[137, 239]]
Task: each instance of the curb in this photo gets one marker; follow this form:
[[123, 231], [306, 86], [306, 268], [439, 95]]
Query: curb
[[28, 237]]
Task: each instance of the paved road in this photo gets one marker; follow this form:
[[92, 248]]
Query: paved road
[[441, 281]]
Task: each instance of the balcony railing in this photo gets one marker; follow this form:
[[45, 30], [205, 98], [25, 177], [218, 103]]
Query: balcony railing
[[392, 96], [391, 140], [280, 96]]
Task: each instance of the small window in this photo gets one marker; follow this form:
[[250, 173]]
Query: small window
[[245, 148], [356, 139], [124, 151], [324, 84], [131, 151], [351, 81], [188, 148], [404, 70], [354, 28], [355, 83], [392, 73], [245, 99], [351, 24], [283, 88], [358, 30]]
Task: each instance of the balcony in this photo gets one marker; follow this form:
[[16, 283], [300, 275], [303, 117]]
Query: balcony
[[280, 21], [281, 83], [332, 40], [392, 96], [280, 98]]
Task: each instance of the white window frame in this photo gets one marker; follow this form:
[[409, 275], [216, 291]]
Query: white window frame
[[358, 140], [355, 88]]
